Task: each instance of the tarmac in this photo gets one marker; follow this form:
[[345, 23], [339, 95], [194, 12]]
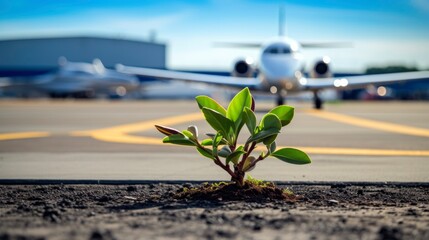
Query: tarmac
[[115, 140]]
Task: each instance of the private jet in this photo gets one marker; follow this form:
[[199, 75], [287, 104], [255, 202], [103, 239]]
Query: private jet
[[280, 71], [75, 79]]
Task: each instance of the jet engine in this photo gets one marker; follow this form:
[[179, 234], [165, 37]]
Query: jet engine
[[244, 68], [321, 69]]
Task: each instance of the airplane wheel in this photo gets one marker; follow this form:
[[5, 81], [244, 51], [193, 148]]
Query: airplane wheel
[[280, 100], [57, 95], [318, 103], [83, 95]]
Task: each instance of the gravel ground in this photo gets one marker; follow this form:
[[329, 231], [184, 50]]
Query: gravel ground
[[150, 211]]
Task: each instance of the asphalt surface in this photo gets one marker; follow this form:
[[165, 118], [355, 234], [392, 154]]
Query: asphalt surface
[[348, 141]]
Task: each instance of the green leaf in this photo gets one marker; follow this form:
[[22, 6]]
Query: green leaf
[[270, 120], [207, 142], [178, 139], [225, 151], [233, 157], [267, 141], [284, 113], [292, 155], [212, 135], [262, 135], [217, 139], [204, 101], [188, 134], [167, 130], [205, 152], [218, 122], [236, 106], [249, 164], [267, 130], [250, 119], [272, 147]]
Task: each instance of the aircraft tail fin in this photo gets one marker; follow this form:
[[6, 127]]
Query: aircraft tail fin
[[282, 21], [62, 61], [255, 44], [98, 65]]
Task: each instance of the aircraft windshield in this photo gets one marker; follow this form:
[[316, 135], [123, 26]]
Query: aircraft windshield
[[278, 50]]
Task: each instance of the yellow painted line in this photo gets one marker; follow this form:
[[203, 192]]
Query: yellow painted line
[[357, 151], [361, 122], [22, 135], [120, 134]]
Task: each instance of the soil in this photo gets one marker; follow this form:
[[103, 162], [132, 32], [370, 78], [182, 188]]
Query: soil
[[250, 191], [154, 211]]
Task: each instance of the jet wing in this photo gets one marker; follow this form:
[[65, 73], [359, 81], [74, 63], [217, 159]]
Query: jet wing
[[190, 77], [12, 82], [361, 81], [5, 82]]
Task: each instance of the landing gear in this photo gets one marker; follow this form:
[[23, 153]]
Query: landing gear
[[281, 97], [318, 102], [83, 95], [56, 95], [77, 95], [280, 100]]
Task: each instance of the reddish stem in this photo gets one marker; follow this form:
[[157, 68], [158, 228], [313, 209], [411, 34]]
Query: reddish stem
[[225, 167], [245, 156]]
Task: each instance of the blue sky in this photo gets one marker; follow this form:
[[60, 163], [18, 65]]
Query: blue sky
[[382, 31]]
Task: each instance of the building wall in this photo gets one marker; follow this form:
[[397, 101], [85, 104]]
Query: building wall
[[43, 53]]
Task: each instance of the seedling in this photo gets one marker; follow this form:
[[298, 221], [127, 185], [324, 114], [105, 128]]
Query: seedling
[[222, 146]]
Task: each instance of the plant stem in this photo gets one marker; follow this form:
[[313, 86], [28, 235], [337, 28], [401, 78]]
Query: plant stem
[[245, 156], [240, 178], [260, 158], [224, 167]]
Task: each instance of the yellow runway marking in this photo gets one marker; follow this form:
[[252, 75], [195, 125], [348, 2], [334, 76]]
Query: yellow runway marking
[[120, 134], [357, 151], [383, 126], [22, 135]]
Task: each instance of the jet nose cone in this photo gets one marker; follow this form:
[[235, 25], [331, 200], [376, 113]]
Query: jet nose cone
[[278, 73], [276, 67]]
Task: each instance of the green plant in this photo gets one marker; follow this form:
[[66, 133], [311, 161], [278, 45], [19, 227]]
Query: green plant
[[222, 147], [258, 182]]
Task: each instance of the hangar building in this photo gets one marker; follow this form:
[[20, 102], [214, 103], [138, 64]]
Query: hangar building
[[32, 56]]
